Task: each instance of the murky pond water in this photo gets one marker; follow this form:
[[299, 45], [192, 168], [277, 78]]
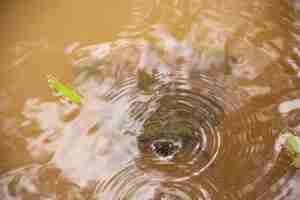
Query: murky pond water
[[181, 99]]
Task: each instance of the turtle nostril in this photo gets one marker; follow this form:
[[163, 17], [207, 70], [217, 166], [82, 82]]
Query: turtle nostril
[[164, 148]]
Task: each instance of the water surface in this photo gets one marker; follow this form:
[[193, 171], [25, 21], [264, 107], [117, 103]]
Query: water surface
[[181, 100]]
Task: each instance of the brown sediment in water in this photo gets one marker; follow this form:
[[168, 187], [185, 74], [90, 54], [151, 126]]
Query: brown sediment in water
[[181, 99]]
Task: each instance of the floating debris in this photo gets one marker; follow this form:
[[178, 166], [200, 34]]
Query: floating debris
[[292, 143], [63, 90]]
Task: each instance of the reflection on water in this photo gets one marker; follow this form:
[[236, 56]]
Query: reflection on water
[[182, 100]]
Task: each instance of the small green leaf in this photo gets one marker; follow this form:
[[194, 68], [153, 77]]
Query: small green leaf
[[65, 91], [293, 144]]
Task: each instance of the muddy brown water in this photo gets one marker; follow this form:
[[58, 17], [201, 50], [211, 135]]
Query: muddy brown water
[[181, 99]]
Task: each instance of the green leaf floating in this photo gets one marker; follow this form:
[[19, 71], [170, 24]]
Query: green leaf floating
[[65, 91], [292, 144]]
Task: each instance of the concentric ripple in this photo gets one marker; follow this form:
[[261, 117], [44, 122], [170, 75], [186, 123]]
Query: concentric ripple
[[132, 183], [181, 137], [193, 119], [178, 132], [192, 94], [193, 128]]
